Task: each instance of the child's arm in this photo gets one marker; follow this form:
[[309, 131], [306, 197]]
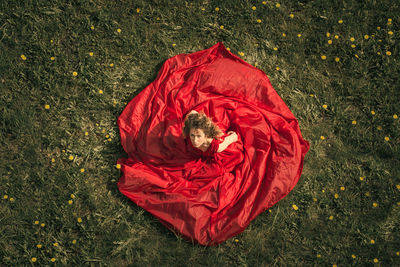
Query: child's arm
[[231, 138]]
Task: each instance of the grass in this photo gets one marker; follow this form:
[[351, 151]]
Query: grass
[[345, 173]]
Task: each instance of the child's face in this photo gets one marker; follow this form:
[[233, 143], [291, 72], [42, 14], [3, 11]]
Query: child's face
[[197, 137]]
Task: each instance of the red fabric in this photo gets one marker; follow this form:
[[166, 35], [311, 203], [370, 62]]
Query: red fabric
[[209, 196]]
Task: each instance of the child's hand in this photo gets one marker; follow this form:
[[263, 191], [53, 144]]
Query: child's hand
[[234, 135]]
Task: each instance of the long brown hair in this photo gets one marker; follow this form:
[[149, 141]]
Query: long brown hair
[[201, 121]]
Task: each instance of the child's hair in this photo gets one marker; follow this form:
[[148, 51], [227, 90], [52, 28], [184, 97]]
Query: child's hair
[[201, 121]]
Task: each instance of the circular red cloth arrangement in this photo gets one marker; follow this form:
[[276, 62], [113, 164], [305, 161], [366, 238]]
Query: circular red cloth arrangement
[[209, 196]]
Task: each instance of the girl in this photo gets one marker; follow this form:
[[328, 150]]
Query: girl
[[202, 132]]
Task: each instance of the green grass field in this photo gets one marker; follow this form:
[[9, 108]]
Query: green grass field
[[68, 68]]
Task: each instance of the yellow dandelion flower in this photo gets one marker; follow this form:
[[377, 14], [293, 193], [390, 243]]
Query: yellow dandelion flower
[[372, 241], [53, 160], [118, 30], [34, 259], [340, 21], [375, 204], [378, 28], [398, 253], [331, 217], [52, 58], [318, 255], [86, 133], [388, 53], [379, 128], [275, 48], [395, 116], [353, 46], [91, 54], [203, 9], [174, 45], [329, 41], [398, 186], [70, 202], [101, 92], [367, 194], [278, 5], [118, 166], [312, 95], [352, 39], [79, 220], [253, 7], [373, 112], [323, 57], [284, 34], [228, 49], [137, 10], [353, 256], [336, 36], [264, 2], [337, 59], [112, 65], [389, 20], [390, 32], [325, 106], [5, 197], [52, 259], [291, 15], [334, 265], [354, 122], [236, 240], [72, 196], [107, 135], [387, 138], [92, 27], [39, 246], [74, 241], [277, 68], [55, 244], [376, 260], [314, 199], [336, 195], [241, 53], [295, 207], [12, 199], [109, 139], [51, 41], [322, 137], [23, 57], [328, 34], [356, 55], [323, 190], [74, 73], [217, 9], [342, 188], [82, 170], [221, 27], [299, 35], [362, 178], [71, 157], [103, 130], [36, 222], [366, 36], [47, 106], [259, 20]]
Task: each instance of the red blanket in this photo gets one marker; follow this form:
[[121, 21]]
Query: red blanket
[[209, 196]]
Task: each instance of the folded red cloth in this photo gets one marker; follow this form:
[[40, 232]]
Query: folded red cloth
[[209, 196]]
